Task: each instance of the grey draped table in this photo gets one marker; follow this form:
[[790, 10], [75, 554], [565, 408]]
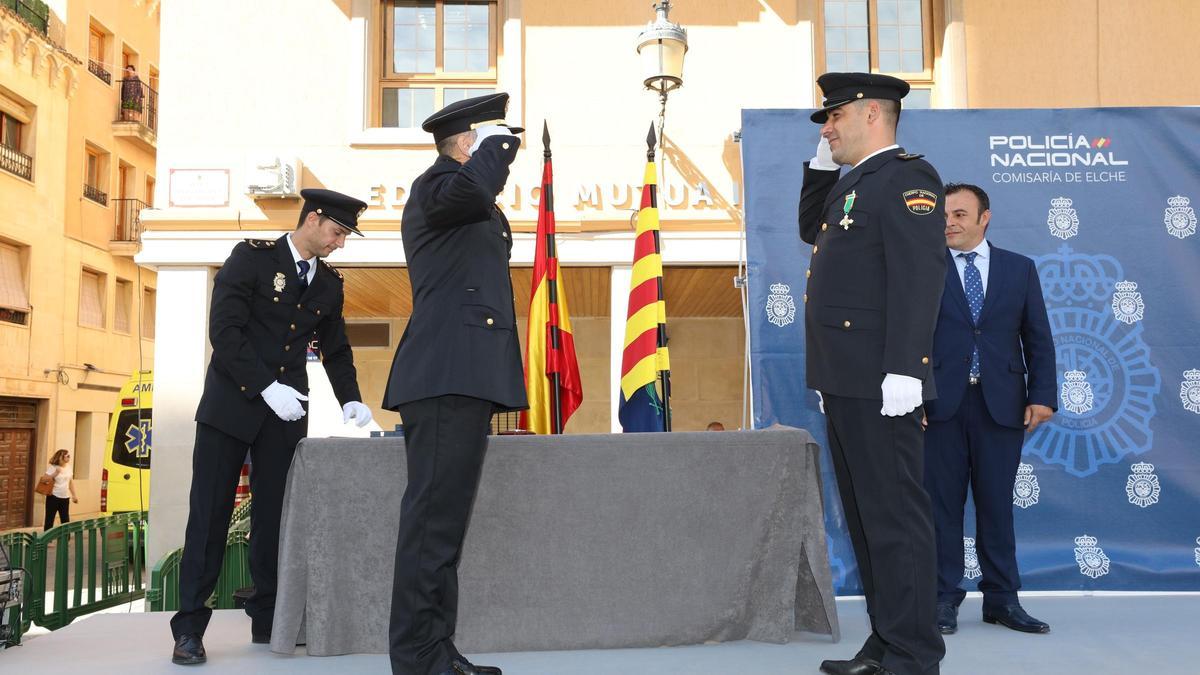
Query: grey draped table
[[575, 542]]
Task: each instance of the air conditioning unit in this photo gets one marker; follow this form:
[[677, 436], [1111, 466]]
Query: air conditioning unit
[[273, 178]]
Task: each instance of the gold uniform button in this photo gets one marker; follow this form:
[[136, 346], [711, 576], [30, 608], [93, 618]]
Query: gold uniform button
[[925, 359], [824, 226], [318, 312], [287, 348], [816, 248], [504, 145], [281, 369], [299, 306], [243, 389], [276, 298], [293, 326], [846, 324], [806, 297], [807, 274], [490, 321]]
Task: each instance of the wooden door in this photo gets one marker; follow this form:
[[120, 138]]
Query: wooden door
[[16, 490]]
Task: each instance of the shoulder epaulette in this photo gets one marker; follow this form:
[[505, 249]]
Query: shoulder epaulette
[[908, 156], [333, 269], [261, 243]]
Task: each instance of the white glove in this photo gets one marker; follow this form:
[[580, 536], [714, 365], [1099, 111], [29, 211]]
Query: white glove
[[823, 160], [486, 131], [284, 400], [821, 402], [355, 410], [901, 395]]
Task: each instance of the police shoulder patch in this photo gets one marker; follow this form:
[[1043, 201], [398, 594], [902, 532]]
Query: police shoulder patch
[[909, 156], [920, 201], [333, 269], [261, 243]]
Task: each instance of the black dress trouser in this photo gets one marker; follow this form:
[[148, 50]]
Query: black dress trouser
[[972, 448], [216, 465], [445, 438], [879, 461], [60, 506]]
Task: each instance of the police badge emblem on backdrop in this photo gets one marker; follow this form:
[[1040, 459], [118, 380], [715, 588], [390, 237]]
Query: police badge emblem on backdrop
[[1108, 383]]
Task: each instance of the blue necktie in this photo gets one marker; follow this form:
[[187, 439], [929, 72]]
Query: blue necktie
[[973, 283], [304, 274]]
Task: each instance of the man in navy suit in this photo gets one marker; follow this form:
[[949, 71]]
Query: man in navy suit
[[993, 363]]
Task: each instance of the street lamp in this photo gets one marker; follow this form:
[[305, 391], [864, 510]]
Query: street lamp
[[661, 48]]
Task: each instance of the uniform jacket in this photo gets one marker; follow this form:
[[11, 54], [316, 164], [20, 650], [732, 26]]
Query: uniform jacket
[[873, 285], [1014, 341], [462, 336], [260, 326]]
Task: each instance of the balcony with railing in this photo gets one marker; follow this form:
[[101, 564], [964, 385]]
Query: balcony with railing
[[16, 162], [36, 14], [128, 214], [137, 113], [97, 68], [95, 194]]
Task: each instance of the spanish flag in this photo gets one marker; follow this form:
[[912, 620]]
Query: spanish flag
[[645, 354], [551, 369]]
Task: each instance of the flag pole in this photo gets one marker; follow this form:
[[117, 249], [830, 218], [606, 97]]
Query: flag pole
[[664, 375], [547, 204]]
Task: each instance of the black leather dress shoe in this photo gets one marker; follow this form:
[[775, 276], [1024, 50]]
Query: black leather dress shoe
[[189, 650], [1014, 616], [260, 638], [467, 668], [947, 618], [855, 666]]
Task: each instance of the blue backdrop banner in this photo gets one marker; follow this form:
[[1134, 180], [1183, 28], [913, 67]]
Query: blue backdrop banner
[[1107, 496]]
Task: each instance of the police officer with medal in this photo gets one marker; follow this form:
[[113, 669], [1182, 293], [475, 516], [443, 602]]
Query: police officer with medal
[[458, 363], [874, 287], [269, 300]]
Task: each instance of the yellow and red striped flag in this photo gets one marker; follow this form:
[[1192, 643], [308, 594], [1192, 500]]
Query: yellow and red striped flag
[[551, 370], [645, 354]]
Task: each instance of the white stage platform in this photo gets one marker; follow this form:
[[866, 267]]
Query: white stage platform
[[1096, 635]]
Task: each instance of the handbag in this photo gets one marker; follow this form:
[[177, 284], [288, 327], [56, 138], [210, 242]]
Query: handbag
[[45, 485]]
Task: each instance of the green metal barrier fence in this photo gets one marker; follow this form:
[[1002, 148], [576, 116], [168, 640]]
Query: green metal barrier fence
[[163, 595], [97, 563]]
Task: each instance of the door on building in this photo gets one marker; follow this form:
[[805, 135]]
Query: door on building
[[17, 423]]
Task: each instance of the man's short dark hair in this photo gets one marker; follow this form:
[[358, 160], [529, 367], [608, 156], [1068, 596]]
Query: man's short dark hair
[[891, 109], [304, 214], [446, 145], [984, 203]]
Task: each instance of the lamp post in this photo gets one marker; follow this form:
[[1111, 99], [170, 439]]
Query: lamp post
[[661, 47]]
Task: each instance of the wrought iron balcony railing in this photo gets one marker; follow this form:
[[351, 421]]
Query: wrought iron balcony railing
[[138, 103], [96, 68], [95, 194], [129, 219], [16, 162]]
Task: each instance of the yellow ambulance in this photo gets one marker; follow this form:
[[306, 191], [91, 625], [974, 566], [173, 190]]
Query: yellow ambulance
[[125, 483]]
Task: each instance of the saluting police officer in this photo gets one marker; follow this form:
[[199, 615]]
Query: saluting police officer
[[457, 363], [874, 287], [268, 301]]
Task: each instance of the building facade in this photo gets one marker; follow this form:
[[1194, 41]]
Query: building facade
[[77, 164], [263, 99]]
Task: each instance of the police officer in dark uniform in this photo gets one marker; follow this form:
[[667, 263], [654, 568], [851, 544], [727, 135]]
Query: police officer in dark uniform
[[268, 302], [874, 287], [457, 363]]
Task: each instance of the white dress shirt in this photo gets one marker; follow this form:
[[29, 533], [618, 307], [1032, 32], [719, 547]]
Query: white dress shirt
[[981, 263], [893, 146], [312, 262]]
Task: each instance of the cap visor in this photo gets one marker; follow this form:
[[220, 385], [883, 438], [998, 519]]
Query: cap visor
[[822, 114]]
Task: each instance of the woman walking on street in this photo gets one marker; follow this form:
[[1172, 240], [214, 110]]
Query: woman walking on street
[[59, 501]]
